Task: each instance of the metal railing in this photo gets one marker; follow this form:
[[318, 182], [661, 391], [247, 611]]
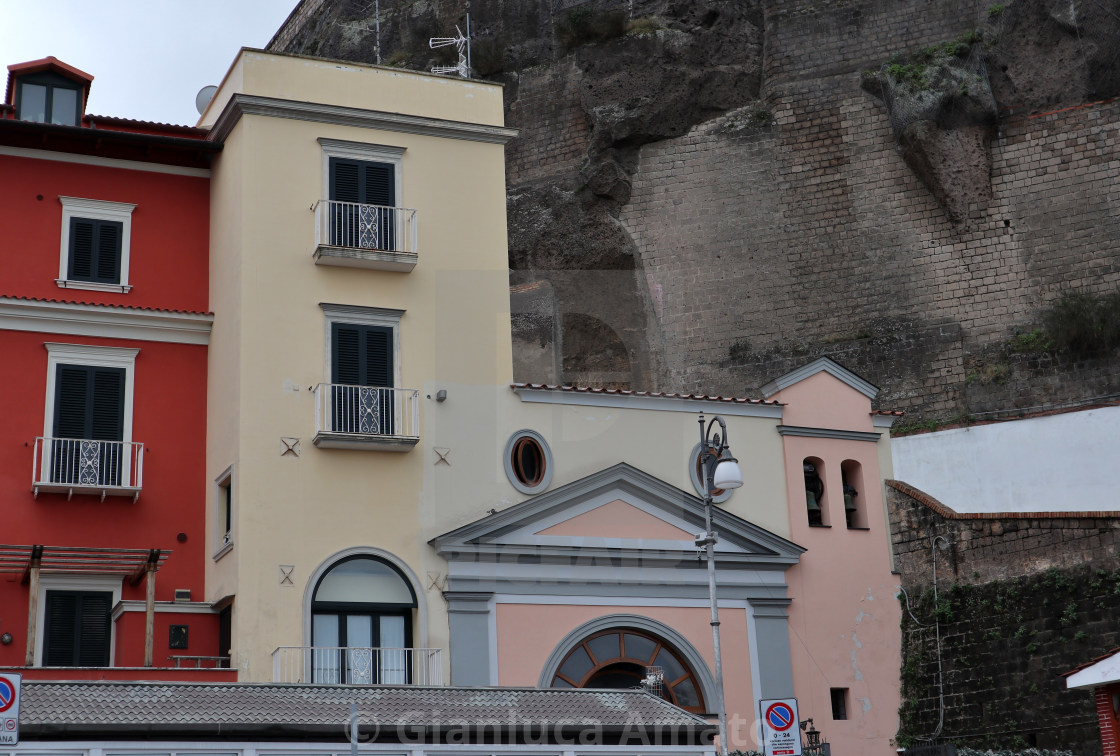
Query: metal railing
[[355, 665], [367, 410], [199, 662], [80, 463], [354, 225]]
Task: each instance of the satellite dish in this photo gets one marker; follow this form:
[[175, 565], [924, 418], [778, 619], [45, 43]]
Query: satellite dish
[[202, 99]]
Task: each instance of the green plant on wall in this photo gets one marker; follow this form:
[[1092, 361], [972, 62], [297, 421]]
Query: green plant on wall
[[988, 632], [1083, 323]]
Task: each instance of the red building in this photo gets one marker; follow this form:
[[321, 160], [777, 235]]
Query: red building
[[103, 340]]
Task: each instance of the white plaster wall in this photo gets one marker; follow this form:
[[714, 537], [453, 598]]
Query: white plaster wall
[[1059, 463]]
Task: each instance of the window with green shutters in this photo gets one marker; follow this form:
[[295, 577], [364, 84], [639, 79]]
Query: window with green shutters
[[77, 629], [95, 250], [89, 407], [95, 244], [362, 371], [364, 194]]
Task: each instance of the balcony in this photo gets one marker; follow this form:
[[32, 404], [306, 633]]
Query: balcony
[[354, 235], [87, 466], [337, 665], [366, 417]]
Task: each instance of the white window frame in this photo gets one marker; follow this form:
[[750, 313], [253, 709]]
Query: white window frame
[[370, 316], [74, 583], [223, 541], [76, 207], [371, 153], [95, 356]]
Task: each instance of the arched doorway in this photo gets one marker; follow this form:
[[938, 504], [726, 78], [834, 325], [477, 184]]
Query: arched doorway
[[361, 623], [619, 657]]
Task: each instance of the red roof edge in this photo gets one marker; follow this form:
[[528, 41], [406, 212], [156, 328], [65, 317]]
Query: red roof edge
[[949, 513], [1088, 664]]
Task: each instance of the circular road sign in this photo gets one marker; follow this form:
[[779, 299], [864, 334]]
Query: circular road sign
[[7, 694], [779, 716]]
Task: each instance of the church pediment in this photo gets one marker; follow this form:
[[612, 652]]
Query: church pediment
[[621, 511]]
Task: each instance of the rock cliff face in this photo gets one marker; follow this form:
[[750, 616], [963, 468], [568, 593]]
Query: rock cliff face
[[708, 193]]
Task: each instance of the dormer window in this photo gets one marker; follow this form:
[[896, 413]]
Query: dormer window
[[48, 98]]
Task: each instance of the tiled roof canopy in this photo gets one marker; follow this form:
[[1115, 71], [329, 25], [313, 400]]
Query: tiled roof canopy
[[51, 710]]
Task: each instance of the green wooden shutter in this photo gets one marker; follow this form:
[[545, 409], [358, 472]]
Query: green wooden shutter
[[361, 356], [378, 185], [89, 402], [61, 628], [81, 249], [71, 401], [95, 630], [378, 356], [77, 629], [95, 250], [108, 268], [345, 180], [107, 406], [346, 355]]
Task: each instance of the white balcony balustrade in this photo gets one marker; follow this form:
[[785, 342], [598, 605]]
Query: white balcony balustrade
[[87, 466], [364, 417], [340, 665], [356, 235]]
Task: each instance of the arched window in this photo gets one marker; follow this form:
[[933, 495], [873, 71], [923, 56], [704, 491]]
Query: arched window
[[361, 624], [855, 513], [815, 506], [618, 658]]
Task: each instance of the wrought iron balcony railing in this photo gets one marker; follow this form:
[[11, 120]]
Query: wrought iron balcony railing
[[353, 665], [356, 235], [87, 466], [357, 417]]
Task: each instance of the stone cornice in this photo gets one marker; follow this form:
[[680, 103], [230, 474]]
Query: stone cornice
[[104, 321], [797, 430], [243, 104]]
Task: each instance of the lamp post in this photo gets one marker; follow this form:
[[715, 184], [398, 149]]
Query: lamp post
[[720, 471]]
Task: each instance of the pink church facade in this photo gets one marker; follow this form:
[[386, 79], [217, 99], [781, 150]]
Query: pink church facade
[[590, 583]]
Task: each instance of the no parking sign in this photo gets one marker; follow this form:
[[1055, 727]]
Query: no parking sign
[[9, 709], [781, 735]]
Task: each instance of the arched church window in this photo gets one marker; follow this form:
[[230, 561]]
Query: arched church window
[[361, 624], [619, 658]]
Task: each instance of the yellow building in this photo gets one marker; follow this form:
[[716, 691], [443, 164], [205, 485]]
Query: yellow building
[[387, 508], [357, 239]]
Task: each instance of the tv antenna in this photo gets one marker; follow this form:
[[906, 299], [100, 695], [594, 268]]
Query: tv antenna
[[376, 5], [462, 43]]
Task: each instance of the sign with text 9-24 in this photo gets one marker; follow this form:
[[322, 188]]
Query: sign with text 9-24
[[9, 709], [781, 733]]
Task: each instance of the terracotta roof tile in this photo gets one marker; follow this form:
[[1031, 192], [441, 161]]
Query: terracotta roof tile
[[628, 392], [52, 300], [111, 120]]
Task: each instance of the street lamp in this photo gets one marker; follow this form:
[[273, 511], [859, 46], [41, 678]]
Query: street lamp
[[720, 471]]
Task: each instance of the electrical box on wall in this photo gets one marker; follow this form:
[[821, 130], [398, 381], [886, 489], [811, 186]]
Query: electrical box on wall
[[177, 637]]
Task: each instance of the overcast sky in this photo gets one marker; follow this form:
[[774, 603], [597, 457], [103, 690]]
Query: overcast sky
[[148, 57]]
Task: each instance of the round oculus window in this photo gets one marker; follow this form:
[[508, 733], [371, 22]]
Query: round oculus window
[[528, 462]]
